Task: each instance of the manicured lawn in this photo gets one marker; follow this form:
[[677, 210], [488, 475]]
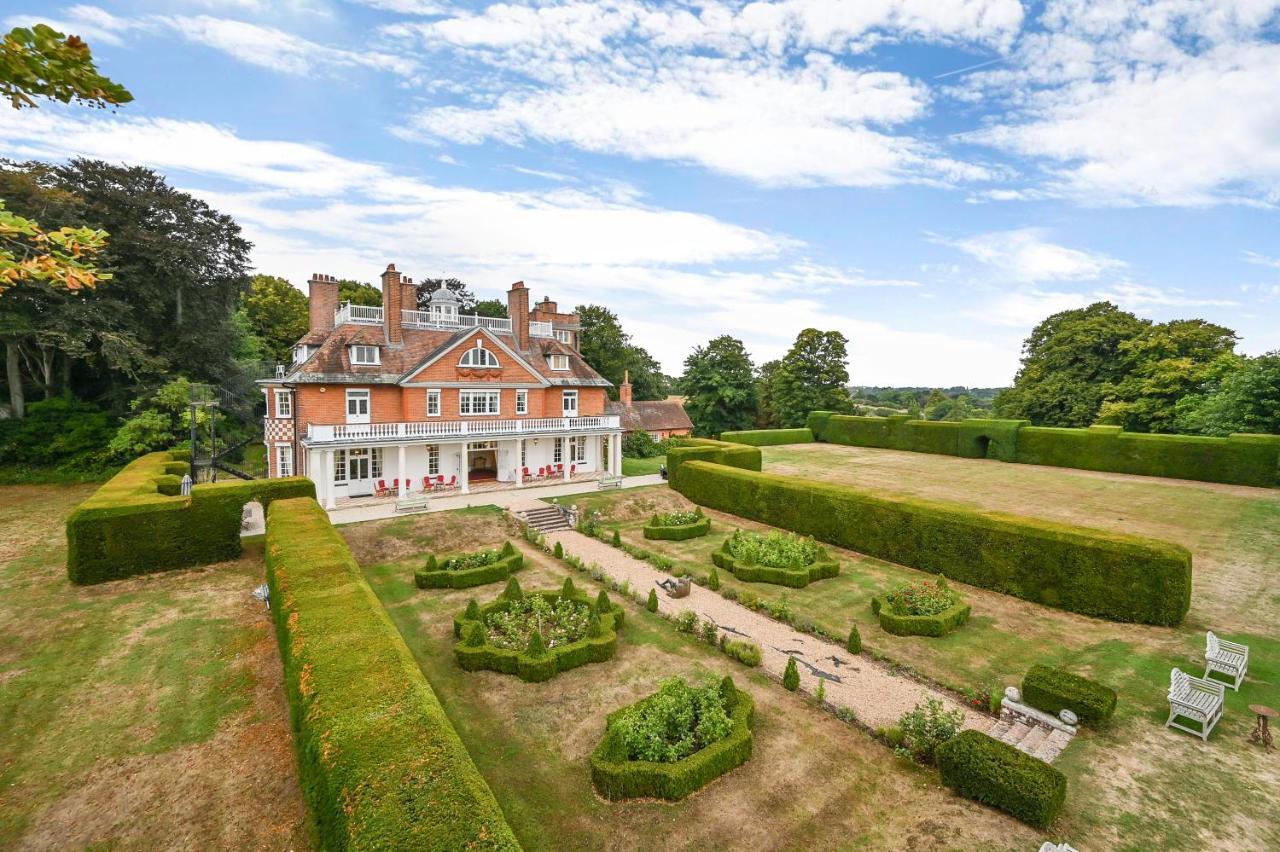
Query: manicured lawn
[[813, 782], [141, 714], [642, 467], [1130, 788]]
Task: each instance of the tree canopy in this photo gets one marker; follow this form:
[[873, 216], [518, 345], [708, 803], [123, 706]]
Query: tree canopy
[[1246, 399], [276, 312], [812, 376], [719, 387], [609, 350], [359, 293]]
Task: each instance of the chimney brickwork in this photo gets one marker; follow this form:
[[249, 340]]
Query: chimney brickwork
[[518, 311], [624, 389], [392, 303], [322, 301]]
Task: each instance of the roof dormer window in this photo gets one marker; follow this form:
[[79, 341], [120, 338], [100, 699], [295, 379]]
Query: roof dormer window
[[559, 362], [365, 356], [479, 357]]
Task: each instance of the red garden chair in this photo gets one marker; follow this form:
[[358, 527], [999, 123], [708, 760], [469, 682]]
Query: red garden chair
[[380, 488], [453, 481], [573, 468]]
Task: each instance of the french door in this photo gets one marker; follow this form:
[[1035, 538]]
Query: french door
[[359, 472]]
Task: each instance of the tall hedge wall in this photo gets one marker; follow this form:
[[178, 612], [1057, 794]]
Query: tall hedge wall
[[380, 764], [137, 523], [1239, 459], [986, 770], [1095, 572], [718, 452], [768, 437]]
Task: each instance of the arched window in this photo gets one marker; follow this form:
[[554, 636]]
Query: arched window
[[479, 357]]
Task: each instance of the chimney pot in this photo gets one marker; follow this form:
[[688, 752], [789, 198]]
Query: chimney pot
[[624, 389], [518, 311], [322, 301], [392, 303]]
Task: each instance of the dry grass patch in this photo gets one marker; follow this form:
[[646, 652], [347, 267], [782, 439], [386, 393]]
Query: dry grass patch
[[415, 536]]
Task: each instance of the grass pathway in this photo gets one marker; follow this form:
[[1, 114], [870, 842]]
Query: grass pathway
[[869, 689]]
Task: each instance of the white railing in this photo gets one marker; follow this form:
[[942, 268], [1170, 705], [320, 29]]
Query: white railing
[[423, 319], [541, 329], [349, 432], [359, 314]]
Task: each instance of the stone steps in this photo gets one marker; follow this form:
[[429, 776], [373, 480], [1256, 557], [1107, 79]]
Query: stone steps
[[1038, 740], [545, 520]]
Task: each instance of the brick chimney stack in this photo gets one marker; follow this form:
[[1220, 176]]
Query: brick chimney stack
[[624, 389], [409, 294], [518, 311], [322, 301], [392, 301]]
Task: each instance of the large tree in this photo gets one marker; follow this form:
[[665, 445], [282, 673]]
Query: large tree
[[277, 314], [1246, 399], [466, 299], [1067, 363], [719, 387], [609, 350], [812, 376], [359, 293], [767, 415]]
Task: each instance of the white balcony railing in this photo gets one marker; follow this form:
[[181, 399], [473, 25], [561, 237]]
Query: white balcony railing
[[358, 314], [357, 432], [541, 329], [422, 319]]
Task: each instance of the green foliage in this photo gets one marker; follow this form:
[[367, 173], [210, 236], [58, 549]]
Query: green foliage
[[719, 387], [854, 643], [475, 636], [1246, 399], [277, 315], [1053, 690], [769, 437], [568, 590], [603, 603], [137, 524], [610, 351], [686, 621], [997, 774], [615, 776], [710, 632], [922, 597], [473, 610], [58, 433], [791, 677], [747, 653], [638, 445], [40, 62], [820, 694], [784, 559], [899, 622], [713, 580], [491, 308], [673, 723], [652, 603], [379, 762], [616, 539], [464, 570], [512, 591], [536, 646], [1110, 575], [358, 293], [927, 726], [558, 551], [719, 452], [677, 526], [812, 376]]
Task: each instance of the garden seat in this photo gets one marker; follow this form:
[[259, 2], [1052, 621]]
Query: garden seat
[[1228, 658], [1057, 847], [1194, 698], [609, 482]]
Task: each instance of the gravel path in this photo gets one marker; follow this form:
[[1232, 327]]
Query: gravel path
[[854, 681]]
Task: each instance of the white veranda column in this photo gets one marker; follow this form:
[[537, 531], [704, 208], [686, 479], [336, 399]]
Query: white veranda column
[[463, 472], [519, 466], [567, 455], [404, 474], [327, 475]]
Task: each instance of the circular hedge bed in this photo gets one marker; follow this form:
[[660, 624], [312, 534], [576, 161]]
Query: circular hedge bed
[[784, 559], [674, 742], [677, 526], [537, 635], [464, 570], [921, 608]]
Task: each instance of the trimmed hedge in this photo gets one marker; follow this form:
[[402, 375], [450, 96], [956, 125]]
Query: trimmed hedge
[[137, 523], [681, 532], [380, 765], [768, 437], [512, 561], [1052, 690], [919, 625], [794, 577], [536, 668], [1095, 572], [986, 770], [616, 777], [717, 452], [1241, 459]]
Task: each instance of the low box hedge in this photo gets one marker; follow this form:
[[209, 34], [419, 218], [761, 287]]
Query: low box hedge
[[438, 578], [534, 669], [677, 532], [768, 437], [615, 777], [137, 522], [794, 577], [939, 624], [1053, 690], [986, 770], [380, 765], [1090, 571]]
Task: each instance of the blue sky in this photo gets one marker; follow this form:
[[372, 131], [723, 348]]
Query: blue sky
[[931, 177]]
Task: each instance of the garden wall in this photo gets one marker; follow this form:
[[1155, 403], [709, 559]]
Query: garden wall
[[380, 764], [1240, 459], [1095, 572], [768, 437], [717, 452], [138, 523]]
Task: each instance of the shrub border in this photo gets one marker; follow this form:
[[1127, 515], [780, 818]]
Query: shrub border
[[986, 770], [939, 624], [1054, 689], [769, 437], [488, 657], [631, 779], [468, 577], [821, 568], [678, 532]]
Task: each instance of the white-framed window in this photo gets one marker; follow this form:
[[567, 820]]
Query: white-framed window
[[284, 460], [557, 452], [578, 449], [375, 461], [563, 335], [522, 401], [433, 403], [433, 459], [655, 436], [302, 352], [479, 402], [479, 357], [339, 465], [284, 403], [558, 362], [357, 406], [366, 356], [524, 454], [569, 403]]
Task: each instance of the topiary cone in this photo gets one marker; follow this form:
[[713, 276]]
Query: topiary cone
[[512, 592], [537, 647], [652, 603], [791, 677], [854, 645]]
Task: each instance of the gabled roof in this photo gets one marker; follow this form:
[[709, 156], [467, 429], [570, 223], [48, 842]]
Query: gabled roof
[[456, 345], [654, 415]]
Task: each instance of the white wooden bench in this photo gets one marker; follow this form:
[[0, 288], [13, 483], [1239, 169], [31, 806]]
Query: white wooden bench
[[608, 482], [1228, 658], [413, 503], [1057, 847], [1194, 698]]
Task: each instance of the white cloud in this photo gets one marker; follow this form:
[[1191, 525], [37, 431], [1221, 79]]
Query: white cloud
[[1262, 260], [1025, 307], [1025, 256]]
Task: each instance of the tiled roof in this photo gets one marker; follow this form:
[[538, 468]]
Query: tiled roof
[[650, 415]]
